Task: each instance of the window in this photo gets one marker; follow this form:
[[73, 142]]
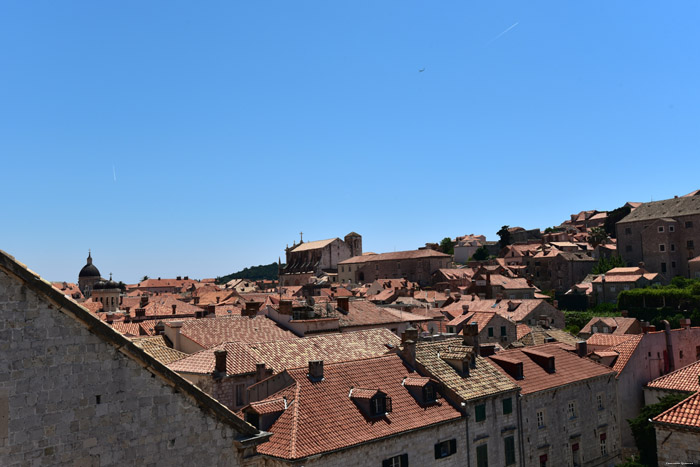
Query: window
[[507, 406], [671, 228], [540, 418], [663, 267], [509, 444], [661, 228], [571, 409], [482, 456], [490, 332], [673, 247], [690, 244], [612, 288], [429, 393], [603, 447], [688, 224], [680, 354], [594, 329], [397, 461], [240, 390], [628, 230], [503, 331], [600, 401], [445, 448], [543, 460], [673, 264], [662, 247], [380, 405], [480, 412]]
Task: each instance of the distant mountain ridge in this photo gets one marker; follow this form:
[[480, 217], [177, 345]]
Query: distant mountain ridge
[[255, 273]]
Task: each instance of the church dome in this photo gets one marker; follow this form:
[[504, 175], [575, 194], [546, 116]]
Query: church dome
[[89, 270]]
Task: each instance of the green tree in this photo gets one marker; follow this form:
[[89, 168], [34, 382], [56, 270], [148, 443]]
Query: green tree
[[481, 254], [643, 430], [504, 234], [446, 246], [596, 236], [144, 278], [613, 217], [606, 264]]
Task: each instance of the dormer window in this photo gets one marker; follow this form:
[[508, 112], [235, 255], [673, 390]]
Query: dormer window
[[423, 389], [378, 405], [373, 402], [429, 393]]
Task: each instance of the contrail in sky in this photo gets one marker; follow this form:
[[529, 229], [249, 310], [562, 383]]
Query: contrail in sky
[[114, 172], [503, 33]]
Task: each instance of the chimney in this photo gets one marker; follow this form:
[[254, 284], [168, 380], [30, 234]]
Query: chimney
[[486, 350], [408, 352], [218, 299], [140, 312], [187, 278], [177, 326], [410, 334], [447, 291], [211, 309], [685, 323], [285, 307], [648, 329], [344, 303], [196, 300], [220, 365], [174, 308], [471, 335], [110, 317], [179, 278], [260, 372], [199, 314], [315, 370], [582, 348], [159, 329], [465, 309], [144, 300]]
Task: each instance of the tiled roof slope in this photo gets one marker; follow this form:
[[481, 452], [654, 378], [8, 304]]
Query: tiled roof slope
[[683, 379], [484, 380], [618, 324], [625, 349], [279, 355], [608, 340], [366, 313], [569, 368], [396, 255], [684, 414], [665, 208], [163, 353], [313, 245], [538, 336], [209, 332], [322, 417]]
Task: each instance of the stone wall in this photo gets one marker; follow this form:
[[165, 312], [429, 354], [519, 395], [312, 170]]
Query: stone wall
[[74, 398], [677, 446]]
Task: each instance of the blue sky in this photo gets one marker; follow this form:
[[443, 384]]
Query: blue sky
[[198, 138]]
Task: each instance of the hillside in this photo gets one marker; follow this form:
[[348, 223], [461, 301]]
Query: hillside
[[267, 271]]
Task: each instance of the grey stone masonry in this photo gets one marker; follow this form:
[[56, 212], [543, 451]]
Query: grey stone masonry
[[75, 392]]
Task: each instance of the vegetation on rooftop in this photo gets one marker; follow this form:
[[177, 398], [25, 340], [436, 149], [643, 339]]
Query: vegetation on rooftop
[[447, 246]]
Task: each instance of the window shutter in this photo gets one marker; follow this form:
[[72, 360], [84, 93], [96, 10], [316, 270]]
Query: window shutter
[[437, 451], [453, 446], [404, 460], [386, 463]]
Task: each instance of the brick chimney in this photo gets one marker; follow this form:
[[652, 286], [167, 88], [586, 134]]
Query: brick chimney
[[140, 312], [174, 308], [344, 303], [465, 309], [144, 300], [260, 372], [220, 365], [315, 370], [177, 326], [199, 314], [471, 336]]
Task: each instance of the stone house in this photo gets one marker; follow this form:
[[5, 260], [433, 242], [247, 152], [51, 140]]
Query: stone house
[[678, 433], [414, 265], [664, 235], [553, 269], [451, 279], [488, 285], [694, 267], [684, 380], [568, 408], [372, 411], [309, 260], [618, 325], [492, 327], [531, 311], [76, 392], [488, 399], [606, 287], [466, 246]]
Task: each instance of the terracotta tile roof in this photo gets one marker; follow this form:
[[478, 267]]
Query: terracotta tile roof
[[92, 306], [457, 274], [164, 354], [284, 354], [270, 406], [179, 284], [665, 208], [363, 393], [316, 244], [415, 381], [366, 313], [480, 318], [683, 379], [522, 330], [240, 360], [617, 324], [483, 380], [607, 340], [322, 416], [625, 349], [520, 308], [132, 329], [68, 288], [510, 283], [569, 367], [684, 414], [209, 332], [159, 305], [397, 255]]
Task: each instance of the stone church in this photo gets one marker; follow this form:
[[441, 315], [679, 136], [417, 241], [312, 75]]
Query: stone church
[[307, 260]]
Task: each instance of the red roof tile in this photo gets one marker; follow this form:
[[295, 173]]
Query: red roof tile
[[685, 414], [209, 332], [683, 379], [396, 255]]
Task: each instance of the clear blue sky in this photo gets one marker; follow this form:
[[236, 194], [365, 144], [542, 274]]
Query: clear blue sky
[[198, 138]]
